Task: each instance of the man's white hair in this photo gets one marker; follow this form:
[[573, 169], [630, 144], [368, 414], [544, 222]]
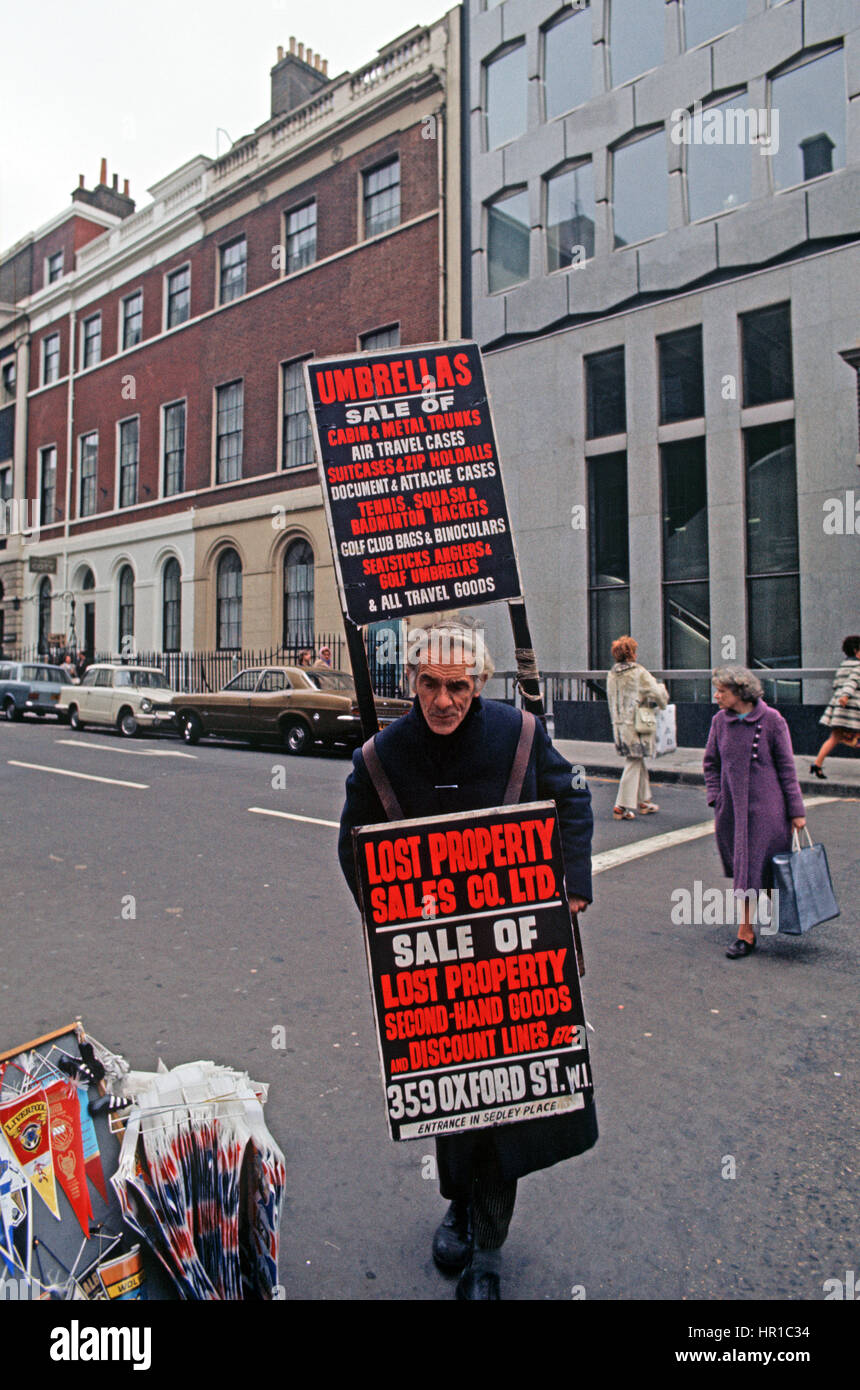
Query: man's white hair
[[435, 637]]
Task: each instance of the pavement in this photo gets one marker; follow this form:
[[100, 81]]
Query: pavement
[[684, 767]]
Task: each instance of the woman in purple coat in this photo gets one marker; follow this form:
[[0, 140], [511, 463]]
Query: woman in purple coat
[[751, 781]]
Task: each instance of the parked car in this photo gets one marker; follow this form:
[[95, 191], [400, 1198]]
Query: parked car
[[30, 687], [130, 698], [294, 705]]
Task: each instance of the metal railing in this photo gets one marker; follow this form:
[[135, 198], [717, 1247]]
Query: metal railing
[[780, 685]]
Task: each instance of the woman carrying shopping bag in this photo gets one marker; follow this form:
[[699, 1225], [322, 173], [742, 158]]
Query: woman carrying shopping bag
[[751, 782], [633, 696]]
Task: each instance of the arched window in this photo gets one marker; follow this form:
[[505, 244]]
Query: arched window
[[126, 610], [89, 580], [229, 602], [44, 615], [171, 607], [299, 595]]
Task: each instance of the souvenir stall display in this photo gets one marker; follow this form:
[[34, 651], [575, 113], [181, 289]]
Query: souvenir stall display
[[121, 1184]]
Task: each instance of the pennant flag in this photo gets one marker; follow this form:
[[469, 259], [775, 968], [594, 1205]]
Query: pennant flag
[[92, 1158], [24, 1121], [68, 1151], [12, 1180], [123, 1277]]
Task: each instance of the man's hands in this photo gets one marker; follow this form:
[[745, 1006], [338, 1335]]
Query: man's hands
[[577, 904]]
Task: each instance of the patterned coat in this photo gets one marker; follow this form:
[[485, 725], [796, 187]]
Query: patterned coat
[[751, 781], [627, 685], [467, 770], [845, 682]]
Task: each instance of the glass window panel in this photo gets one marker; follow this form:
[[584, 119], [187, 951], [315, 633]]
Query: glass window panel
[[172, 606], [47, 499], [228, 466], [234, 262], [719, 175], [608, 549], [89, 470], [55, 267], [605, 395], [178, 296], [299, 595], [301, 237], [51, 359], [126, 609], [766, 351], [382, 198], [705, 18], [229, 604], [129, 446], [567, 63], [609, 614], [810, 102], [635, 37], [381, 338], [298, 439], [508, 235], [685, 510], [640, 189], [132, 319], [507, 94], [92, 340], [771, 496], [686, 612], [570, 217], [682, 384], [774, 626], [174, 448]]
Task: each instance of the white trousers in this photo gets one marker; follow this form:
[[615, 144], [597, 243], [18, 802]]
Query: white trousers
[[635, 784]]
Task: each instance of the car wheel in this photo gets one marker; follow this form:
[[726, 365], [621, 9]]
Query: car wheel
[[191, 728], [297, 738], [11, 711], [127, 724], [75, 718]]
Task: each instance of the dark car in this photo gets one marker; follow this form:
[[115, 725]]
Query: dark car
[[293, 705], [31, 687]]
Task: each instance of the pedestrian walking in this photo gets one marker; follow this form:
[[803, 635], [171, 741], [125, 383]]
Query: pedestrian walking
[[324, 658], [842, 716], [454, 752], [306, 658], [633, 696], [751, 782], [68, 666]]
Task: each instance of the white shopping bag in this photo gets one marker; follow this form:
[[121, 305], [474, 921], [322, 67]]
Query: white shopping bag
[[666, 736]]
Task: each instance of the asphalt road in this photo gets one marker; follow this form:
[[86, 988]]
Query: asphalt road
[[243, 925]]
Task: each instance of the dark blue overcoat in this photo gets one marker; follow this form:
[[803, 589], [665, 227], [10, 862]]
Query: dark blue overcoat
[[468, 770]]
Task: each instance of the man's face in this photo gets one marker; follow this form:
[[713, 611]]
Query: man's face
[[445, 691]]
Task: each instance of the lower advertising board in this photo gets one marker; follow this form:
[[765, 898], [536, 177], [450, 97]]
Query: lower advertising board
[[473, 970]]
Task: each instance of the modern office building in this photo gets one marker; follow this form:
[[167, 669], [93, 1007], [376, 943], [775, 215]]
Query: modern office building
[[161, 414], [665, 278]]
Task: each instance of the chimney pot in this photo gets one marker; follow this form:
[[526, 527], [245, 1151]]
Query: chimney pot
[[103, 172], [309, 57], [125, 188], [292, 43], [302, 51], [80, 180], [280, 53], [325, 67], [116, 183]]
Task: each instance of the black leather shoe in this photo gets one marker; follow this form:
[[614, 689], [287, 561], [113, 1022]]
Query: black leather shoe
[[816, 771], [452, 1242], [740, 948], [478, 1285]]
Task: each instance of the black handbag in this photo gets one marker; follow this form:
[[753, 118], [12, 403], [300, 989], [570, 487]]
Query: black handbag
[[802, 880]]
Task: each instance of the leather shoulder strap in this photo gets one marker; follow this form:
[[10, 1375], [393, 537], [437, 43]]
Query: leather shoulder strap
[[514, 788], [379, 778]]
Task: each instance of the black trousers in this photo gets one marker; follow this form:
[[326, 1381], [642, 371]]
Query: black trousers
[[492, 1202]]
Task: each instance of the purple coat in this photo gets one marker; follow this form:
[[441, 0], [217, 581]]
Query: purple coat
[[751, 779]]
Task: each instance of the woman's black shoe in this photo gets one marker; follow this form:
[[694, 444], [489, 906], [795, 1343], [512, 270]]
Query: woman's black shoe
[[740, 948], [816, 771]]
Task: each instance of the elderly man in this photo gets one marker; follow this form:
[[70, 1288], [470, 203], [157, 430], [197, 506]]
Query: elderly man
[[455, 752]]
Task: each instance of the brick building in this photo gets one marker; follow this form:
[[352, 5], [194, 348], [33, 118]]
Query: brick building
[[160, 410]]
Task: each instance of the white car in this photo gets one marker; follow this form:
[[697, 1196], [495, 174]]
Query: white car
[[130, 698]]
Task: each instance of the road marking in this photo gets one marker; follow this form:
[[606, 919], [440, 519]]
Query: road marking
[[285, 815], [84, 776], [611, 858], [119, 748]]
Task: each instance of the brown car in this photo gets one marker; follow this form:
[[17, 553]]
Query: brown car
[[296, 706]]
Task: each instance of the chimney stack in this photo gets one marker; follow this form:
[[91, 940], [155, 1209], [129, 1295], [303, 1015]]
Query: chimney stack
[[80, 180], [280, 53], [115, 183], [103, 173], [125, 188], [325, 67], [293, 44]]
